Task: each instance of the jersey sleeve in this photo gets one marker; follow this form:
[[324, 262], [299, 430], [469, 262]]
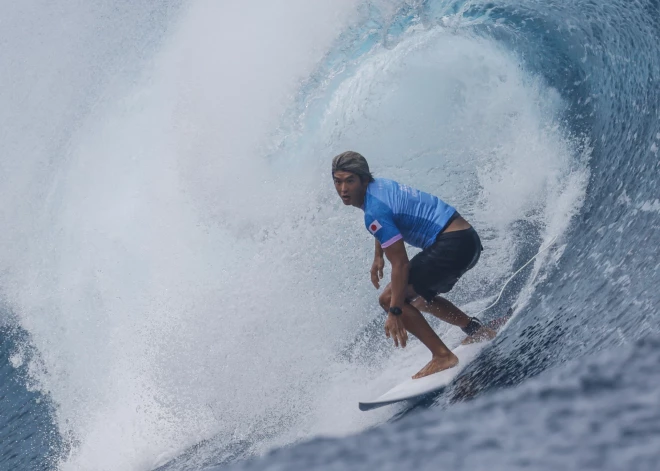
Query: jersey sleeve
[[381, 225]]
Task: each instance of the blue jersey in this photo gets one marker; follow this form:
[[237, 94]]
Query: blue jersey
[[393, 211]]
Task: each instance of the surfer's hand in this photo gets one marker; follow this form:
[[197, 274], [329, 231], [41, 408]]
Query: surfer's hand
[[394, 328], [377, 271]]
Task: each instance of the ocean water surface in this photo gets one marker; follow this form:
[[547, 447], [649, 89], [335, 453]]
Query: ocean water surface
[[181, 288]]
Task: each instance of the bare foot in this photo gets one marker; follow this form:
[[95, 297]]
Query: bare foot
[[481, 335], [437, 364]]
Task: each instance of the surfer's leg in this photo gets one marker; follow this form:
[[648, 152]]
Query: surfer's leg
[[443, 309], [416, 324], [436, 270]]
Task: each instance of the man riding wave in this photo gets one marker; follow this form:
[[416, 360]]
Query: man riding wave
[[395, 213]]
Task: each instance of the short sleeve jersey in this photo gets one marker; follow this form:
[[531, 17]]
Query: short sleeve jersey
[[393, 211]]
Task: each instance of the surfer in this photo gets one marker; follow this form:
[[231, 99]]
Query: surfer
[[395, 213]]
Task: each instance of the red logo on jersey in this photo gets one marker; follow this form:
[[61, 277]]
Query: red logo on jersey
[[374, 226]]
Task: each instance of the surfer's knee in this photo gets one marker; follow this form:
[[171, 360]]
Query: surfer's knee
[[385, 298]]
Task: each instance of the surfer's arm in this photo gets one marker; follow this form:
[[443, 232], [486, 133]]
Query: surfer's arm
[[377, 266], [398, 257], [379, 250]]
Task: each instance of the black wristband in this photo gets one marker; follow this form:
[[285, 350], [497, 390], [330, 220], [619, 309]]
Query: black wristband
[[396, 310]]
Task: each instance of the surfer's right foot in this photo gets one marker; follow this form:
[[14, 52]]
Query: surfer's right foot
[[437, 364]]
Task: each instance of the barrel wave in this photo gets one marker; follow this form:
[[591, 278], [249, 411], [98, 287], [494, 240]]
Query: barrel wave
[[181, 288]]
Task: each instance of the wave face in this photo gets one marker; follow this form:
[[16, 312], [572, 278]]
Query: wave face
[[180, 288]]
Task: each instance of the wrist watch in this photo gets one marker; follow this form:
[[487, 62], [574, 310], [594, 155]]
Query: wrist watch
[[396, 310]]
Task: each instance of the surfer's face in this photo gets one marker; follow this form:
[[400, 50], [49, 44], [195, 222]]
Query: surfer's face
[[350, 188]]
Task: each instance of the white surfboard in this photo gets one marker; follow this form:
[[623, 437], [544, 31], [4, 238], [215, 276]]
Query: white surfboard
[[415, 388]]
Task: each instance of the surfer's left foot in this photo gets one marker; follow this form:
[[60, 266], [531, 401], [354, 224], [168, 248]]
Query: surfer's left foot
[[438, 364], [481, 335]]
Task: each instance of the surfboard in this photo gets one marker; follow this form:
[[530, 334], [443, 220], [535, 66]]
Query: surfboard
[[416, 388]]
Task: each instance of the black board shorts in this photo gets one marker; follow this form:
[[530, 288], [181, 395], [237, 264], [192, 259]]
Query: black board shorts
[[437, 268]]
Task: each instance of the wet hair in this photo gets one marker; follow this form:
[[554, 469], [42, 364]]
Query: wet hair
[[353, 162]]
